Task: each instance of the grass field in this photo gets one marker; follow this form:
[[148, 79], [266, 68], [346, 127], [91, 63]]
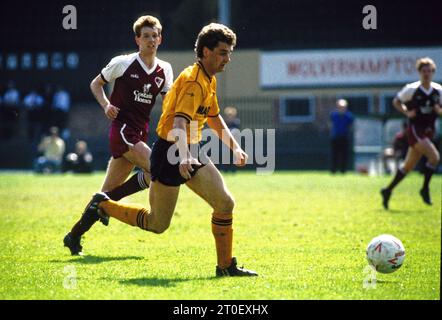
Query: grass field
[[305, 233]]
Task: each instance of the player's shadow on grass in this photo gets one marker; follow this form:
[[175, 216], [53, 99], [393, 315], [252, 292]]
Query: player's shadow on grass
[[406, 211], [161, 282], [387, 283], [98, 259]]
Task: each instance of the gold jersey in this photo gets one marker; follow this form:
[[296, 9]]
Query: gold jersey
[[193, 97]]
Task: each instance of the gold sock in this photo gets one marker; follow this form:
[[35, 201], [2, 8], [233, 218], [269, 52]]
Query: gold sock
[[132, 214], [223, 233]]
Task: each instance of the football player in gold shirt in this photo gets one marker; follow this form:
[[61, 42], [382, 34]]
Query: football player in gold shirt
[[190, 103]]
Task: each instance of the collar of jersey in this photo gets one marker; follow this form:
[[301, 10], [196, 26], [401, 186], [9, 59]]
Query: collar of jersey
[[426, 91], [145, 68], [205, 72]]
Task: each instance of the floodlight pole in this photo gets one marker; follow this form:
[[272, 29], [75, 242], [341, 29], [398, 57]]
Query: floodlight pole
[[224, 18], [224, 12]]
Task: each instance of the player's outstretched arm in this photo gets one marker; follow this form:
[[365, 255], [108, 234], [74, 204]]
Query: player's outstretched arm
[[96, 86], [218, 125]]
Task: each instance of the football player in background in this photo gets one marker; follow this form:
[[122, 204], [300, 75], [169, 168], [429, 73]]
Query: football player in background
[[139, 78], [420, 102]]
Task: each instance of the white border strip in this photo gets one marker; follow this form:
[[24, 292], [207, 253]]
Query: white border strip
[[124, 138], [141, 181]]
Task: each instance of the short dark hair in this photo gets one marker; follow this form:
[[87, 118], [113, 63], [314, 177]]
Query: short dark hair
[[211, 34], [146, 21]]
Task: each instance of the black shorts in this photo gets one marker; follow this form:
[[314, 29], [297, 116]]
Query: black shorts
[[163, 171]]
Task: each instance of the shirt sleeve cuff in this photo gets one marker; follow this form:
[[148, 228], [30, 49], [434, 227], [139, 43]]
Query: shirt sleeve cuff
[[183, 115], [103, 78]]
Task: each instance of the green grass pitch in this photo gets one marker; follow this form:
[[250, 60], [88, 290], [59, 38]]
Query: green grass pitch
[[305, 233]]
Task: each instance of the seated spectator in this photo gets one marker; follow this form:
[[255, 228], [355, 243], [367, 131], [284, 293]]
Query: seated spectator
[[61, 104], [46, 113], [80, 161], [33, 104], [52, 147], [10, 110]]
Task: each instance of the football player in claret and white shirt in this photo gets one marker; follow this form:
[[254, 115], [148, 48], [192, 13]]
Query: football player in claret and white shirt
[[421, 103], [138, 79]]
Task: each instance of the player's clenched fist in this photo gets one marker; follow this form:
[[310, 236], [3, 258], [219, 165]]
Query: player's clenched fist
[[111, 111], [240, 157]]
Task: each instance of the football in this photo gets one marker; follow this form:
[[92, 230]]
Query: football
[[385, 253]]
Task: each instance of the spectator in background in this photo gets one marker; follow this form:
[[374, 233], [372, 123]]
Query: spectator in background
[[46, 110], [52, 147], [233, 123], [342, 121], [10, 111], [61, 104], [80, 161], [33, 104]]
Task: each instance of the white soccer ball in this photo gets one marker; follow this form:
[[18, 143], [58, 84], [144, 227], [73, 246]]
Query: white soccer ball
[[385, 253]]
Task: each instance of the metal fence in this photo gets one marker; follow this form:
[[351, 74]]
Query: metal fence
[[299, 145]]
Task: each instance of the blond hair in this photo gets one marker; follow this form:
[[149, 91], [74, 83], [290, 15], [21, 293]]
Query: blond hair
[[146, 21], [426, 61]]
